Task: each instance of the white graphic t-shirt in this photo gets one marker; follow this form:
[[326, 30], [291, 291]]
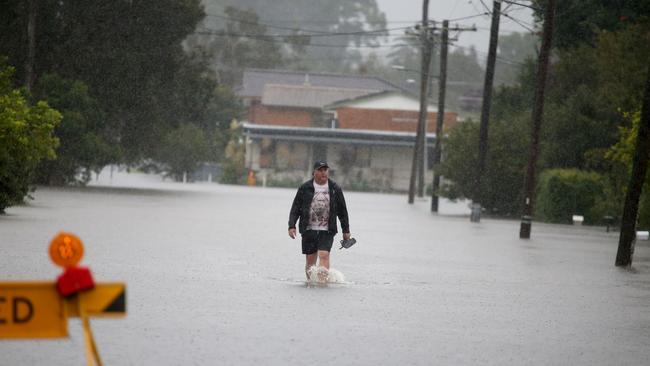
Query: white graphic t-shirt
[[319, 212]]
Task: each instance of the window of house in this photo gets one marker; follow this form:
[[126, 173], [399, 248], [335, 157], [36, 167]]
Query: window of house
[[355, 156], [364, 153], [267, 152]]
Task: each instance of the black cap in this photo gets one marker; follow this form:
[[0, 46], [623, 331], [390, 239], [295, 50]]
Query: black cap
[[320, 164]]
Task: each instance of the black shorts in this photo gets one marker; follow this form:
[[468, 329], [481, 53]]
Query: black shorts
[[314, 240]]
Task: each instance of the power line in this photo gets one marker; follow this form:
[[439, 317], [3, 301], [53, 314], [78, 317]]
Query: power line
[[503, 31], [520, 22], [499, 58], [469, 17], [316, 32], [332, 34], [267, 39], [479, 11], [523, 5], [486, 7]]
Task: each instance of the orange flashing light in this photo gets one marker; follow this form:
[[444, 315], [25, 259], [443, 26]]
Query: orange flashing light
[[66, 250]]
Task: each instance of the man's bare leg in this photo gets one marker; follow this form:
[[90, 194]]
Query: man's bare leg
[[310, 261], [323, 261], [324, 258]]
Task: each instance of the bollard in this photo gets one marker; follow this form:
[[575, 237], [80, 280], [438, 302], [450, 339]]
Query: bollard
[[643, 235], [577, 219], [476, 212], [609, 221], [524, 230]]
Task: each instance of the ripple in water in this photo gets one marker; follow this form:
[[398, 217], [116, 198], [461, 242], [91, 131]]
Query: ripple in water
[[320, 275]]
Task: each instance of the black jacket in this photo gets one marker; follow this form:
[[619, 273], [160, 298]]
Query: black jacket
[[302, 203]]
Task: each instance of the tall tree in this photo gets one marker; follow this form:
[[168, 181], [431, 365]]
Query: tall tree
[[317, 18], [589, 88], [26, 137], [122, 50], [241, 43], [513, 50], [86, 145], [580, 21]]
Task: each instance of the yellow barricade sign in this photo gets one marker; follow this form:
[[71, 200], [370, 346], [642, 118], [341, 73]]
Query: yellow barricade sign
[[106, 299], [36, 310], [31, 310]]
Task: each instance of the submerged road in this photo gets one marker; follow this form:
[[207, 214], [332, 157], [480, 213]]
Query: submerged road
[[213, 279]]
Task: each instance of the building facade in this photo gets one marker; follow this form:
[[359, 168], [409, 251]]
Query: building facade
[[365, 130]]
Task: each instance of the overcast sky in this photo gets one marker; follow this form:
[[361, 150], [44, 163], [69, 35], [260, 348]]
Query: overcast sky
[[406, 12]]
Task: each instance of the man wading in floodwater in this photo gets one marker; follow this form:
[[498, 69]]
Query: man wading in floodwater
[[317, 204]]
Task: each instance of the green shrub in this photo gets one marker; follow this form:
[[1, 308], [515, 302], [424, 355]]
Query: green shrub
[[562, 193], [183, 149], [26, 138], [234, 165], [282, 182]]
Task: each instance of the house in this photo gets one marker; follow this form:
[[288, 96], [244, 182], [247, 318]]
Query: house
[[385, 111], [364, 126], [471, 101], [295, 98]]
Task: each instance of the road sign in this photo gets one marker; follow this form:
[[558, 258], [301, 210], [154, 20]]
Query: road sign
[[106, 299], [36, 310], [31, 310]]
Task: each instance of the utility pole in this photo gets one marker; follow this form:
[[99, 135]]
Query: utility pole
[[424, 80], [31, 46], [422, 162], [485, 111], [635, 187], [538, 114], [442, 85]]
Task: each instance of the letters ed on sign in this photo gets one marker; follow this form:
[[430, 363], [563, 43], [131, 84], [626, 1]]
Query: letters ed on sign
[[31, 310]]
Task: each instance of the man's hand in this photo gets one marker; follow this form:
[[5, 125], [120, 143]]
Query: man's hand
[[292, 233], [347, 236]]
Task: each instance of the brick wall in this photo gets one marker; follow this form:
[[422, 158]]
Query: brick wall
[[389, 119], [283, 116]]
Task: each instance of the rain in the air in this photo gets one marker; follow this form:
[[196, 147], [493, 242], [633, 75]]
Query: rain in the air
[[342, 182]]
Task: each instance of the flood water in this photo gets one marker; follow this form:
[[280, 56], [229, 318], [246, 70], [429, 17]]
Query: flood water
[[213, 279]]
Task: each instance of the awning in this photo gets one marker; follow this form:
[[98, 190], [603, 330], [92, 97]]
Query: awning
[[332, 135]]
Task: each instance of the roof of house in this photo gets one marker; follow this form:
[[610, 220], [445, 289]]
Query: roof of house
[[387, 99], [254, 81], [307, 96]]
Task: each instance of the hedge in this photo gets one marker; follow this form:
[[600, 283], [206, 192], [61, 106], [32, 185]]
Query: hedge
[[562, 193]]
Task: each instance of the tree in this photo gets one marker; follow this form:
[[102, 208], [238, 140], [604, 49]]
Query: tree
[[197, 98], [590, 86], [182, 150], [26, 137], [242, 43], [125, 51], [317, 18], [502, 181], [234, 168], [622, 152], [595, 79], [514, 49], [85, 142], [580, 21]]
